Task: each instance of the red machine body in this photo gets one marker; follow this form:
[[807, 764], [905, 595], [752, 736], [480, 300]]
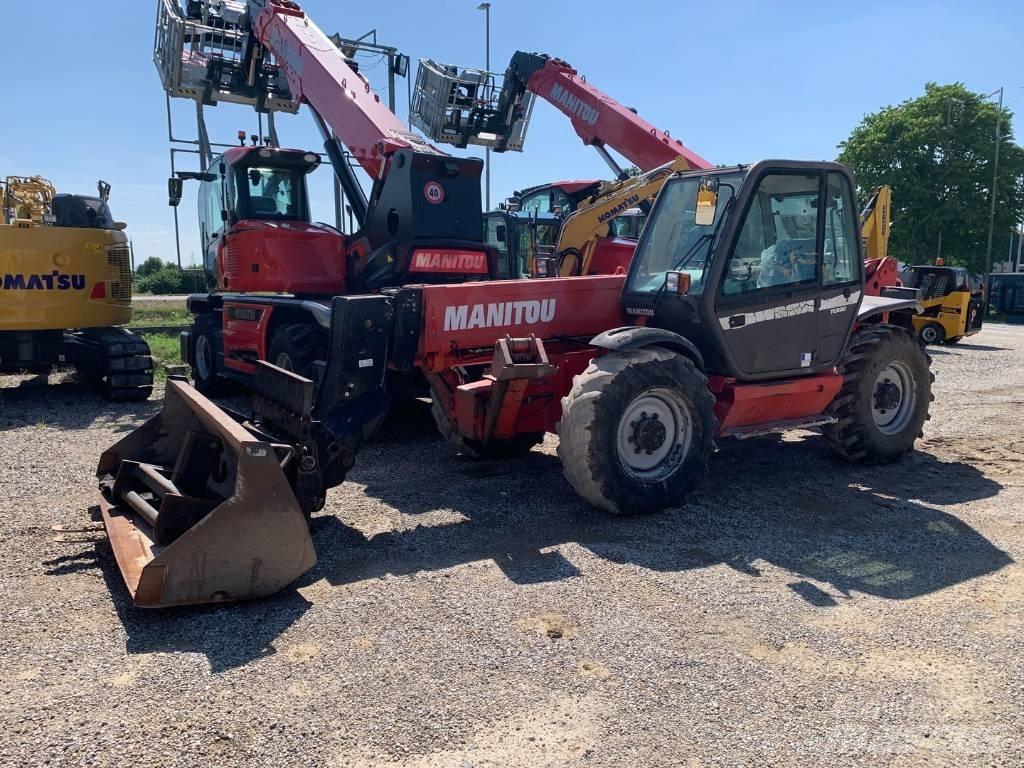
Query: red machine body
[[264, 257], [459, 323]]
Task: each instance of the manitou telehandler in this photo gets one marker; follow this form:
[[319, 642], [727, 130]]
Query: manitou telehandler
[[743, 312], [272, 270]]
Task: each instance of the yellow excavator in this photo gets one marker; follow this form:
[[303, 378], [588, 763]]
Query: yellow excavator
[[65, 286], [586, 243]]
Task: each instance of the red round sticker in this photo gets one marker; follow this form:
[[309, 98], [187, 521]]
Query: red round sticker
[[434, 192]]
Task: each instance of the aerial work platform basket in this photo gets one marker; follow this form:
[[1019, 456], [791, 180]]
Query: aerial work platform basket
[[200, 55], [462, 106]]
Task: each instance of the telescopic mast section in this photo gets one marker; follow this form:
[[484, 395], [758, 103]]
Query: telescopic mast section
[[318, 74], [448, 112]]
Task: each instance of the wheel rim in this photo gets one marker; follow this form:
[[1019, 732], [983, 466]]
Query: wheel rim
[[204, 358], [654, 434], [894, 398], [929, 334]]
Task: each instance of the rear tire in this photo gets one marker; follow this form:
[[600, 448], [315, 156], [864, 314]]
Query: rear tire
[[206, 349], [296, 347], [932, 333], [637, 431], [883, 404], [515, 447]]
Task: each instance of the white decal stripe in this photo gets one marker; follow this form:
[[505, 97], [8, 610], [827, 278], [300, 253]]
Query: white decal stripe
[[788, 310]]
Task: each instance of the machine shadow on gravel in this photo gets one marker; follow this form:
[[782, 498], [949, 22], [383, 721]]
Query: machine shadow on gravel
[[68, 405], [789, 503]]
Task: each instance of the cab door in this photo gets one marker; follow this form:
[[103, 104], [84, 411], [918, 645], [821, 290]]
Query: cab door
[[842, 278], [768, 295]]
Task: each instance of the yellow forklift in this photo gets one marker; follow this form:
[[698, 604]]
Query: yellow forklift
[[65, 286]]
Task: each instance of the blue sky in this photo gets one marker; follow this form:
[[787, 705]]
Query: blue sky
[[737, 81]]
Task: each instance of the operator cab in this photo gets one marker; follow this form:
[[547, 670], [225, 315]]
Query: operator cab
[[525, 243], [936, 282], [255, 225], [761, 266]]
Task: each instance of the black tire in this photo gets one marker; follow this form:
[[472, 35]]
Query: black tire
[[953, 340], [518, 446], [932, 333], [296, 347], [875, 424], [205, 353], [594, 423]]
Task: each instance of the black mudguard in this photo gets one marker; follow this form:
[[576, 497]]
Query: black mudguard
[[633, 337]]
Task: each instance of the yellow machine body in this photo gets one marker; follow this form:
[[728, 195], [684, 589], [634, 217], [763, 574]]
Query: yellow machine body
[[583, 227], [63, 277]]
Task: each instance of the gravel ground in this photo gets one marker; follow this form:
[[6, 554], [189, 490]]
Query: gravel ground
[[799, 611]]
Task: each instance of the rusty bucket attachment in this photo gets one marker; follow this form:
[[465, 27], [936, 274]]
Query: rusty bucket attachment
[[199, 509]]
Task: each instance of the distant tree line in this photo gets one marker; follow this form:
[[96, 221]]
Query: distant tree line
[[159, 277], [936, 151]]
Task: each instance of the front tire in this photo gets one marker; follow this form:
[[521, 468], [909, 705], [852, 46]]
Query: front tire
[[637, 431], [883, 403], [932, 333]]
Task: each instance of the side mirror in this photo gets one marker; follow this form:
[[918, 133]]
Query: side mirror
[[501, 233], [677, 282], [707, 201], [175, 188], [120, 226]]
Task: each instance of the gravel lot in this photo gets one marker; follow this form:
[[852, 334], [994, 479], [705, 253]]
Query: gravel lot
[[799, 611]]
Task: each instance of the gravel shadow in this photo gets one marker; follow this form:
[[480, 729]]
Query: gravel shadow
[[790, 503]]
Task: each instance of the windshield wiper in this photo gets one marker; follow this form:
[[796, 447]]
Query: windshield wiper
[[707, 237]]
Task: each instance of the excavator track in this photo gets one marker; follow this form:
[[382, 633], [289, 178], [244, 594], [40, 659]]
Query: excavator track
[[116, 359]]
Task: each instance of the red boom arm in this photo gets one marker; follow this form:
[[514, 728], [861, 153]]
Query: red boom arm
[[601, 121], [318, 74]]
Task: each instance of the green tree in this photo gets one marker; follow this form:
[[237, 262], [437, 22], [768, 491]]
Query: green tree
[[936, 152], [149, 266]]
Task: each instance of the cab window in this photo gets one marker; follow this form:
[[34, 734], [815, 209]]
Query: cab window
[[841, 259], [495, 228], [273, 193], [776, 247], [546, 201]]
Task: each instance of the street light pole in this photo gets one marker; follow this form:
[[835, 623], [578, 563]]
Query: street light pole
[[992, 197], [486, 8]]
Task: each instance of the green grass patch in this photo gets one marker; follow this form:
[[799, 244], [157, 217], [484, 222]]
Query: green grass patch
[[165, 351], [149, 313]]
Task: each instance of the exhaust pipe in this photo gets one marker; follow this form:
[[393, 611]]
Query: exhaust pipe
[[199, 509]]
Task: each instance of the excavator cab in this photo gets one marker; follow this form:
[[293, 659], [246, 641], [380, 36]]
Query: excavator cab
[[761, 267], [525, 243]]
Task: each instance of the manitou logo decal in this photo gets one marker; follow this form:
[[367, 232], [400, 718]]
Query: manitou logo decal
[[449, 262], [574, 105], [465, 317], [640, 311], [625, 205], [55, 281]]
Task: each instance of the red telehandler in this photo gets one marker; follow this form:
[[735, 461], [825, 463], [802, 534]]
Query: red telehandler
[[743, 312]]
